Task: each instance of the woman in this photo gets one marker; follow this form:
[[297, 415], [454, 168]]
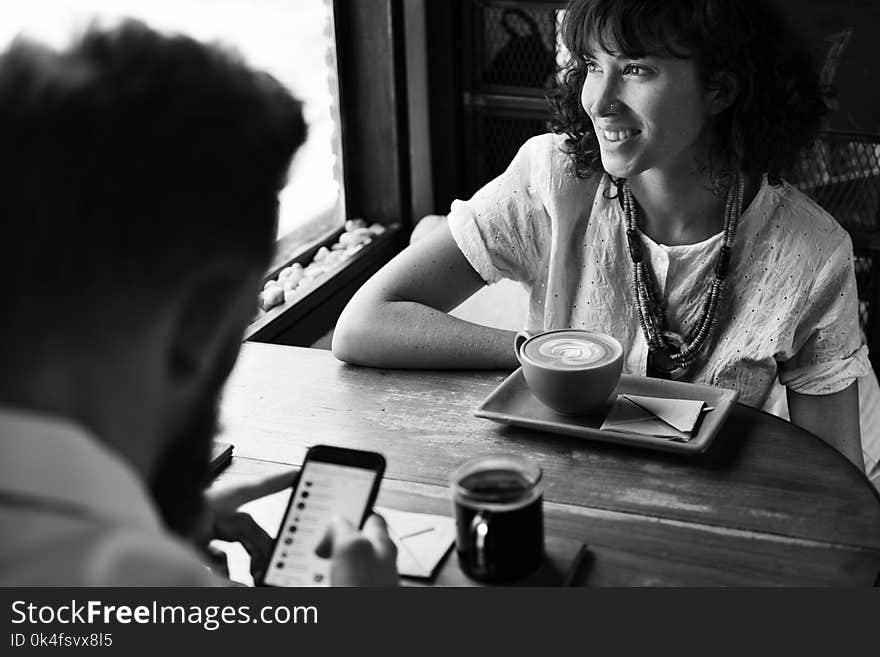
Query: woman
[[656, 213]]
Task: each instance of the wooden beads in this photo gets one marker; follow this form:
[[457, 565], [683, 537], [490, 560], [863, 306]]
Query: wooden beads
[[652, 316]]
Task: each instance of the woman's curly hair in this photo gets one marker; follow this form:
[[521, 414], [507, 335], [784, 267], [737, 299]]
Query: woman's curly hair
[[779, 102]]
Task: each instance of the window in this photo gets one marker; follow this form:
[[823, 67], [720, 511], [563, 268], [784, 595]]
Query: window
[[293, 40], [296, 40]]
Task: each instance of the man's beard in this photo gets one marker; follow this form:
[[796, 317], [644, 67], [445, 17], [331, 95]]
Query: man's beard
[[182, 471]]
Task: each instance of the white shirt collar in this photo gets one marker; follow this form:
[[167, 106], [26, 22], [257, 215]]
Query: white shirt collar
[[50, 459]]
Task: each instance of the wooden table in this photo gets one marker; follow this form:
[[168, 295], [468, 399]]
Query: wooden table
[[768, 504]]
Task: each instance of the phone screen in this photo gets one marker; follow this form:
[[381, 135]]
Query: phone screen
[[324, 490]]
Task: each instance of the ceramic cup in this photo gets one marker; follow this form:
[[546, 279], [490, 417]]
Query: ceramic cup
[[570, 370]]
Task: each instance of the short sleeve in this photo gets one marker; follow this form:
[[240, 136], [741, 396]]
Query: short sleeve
[[503, 228], [829, 354]]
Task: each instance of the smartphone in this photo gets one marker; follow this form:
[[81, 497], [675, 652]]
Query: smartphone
[[221, 457], [334, 481]]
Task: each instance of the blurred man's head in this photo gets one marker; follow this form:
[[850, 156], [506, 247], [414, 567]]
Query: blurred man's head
[[139, 177]]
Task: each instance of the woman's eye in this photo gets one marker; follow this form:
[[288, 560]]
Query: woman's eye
[[591, 66], [634, 69]]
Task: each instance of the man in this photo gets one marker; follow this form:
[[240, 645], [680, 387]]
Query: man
[[139, 177]]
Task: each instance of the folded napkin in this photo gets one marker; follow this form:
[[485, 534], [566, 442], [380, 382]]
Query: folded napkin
[[673, 419], [422, 540]]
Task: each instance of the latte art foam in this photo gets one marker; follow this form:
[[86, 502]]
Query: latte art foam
[[570, 351]]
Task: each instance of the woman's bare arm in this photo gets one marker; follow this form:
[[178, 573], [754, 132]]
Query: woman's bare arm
[[399, 317], [834, 418]]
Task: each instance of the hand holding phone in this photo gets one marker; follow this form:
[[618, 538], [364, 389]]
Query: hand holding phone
[[360, 558], [335, 486]]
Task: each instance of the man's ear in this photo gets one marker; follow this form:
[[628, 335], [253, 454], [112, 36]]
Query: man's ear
[[721, 92], [212, 307]]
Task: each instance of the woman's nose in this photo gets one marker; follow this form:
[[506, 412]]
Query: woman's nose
[[599, 97]]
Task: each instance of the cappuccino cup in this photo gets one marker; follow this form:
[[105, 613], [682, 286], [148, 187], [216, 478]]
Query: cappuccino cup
[[570, 370]]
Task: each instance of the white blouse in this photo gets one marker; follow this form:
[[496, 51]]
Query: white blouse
[[790, 311]]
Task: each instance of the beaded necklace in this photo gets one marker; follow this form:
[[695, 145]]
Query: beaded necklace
[[670, 353]]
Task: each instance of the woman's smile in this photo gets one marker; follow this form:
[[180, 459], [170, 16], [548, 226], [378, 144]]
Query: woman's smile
[[617, 136]]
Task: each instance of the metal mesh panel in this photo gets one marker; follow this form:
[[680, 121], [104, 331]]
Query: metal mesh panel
[[841, 172], [519, 47], [502, 137]]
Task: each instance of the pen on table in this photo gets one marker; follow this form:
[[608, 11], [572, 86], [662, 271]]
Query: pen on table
[[400, 537], [583, 556]]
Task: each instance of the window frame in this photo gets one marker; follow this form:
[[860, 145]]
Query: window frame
[[372, 72]]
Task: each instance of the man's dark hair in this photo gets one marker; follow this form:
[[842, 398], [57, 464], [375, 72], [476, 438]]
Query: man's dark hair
[[779, 103], [126, 161]]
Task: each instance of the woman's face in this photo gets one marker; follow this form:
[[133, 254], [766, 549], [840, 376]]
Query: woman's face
[[648, 113]]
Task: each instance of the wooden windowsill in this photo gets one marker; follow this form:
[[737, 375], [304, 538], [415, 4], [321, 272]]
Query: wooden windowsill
[[270, 323]]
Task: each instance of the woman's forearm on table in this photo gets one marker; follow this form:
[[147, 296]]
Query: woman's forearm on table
[[407, 334]]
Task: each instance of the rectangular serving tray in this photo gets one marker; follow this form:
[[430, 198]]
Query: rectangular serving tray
[[513, 403]]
